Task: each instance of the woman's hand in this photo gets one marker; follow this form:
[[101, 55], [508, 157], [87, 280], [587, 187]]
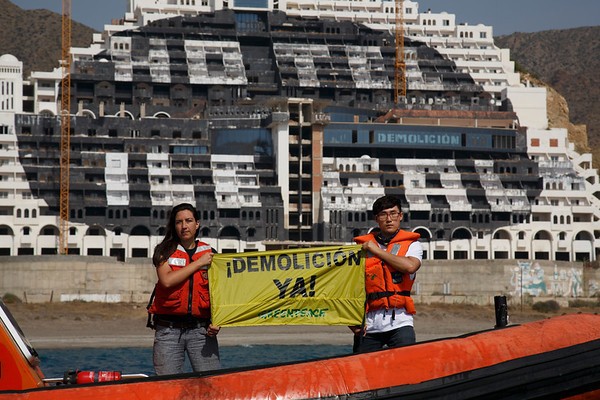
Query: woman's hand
[[203, 262], [212, 330], [169, 278]]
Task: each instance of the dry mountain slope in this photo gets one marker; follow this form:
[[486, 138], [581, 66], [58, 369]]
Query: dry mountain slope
[[568, 61], [34, 36]]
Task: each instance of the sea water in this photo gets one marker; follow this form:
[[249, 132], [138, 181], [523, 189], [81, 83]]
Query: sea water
[[138, 360]]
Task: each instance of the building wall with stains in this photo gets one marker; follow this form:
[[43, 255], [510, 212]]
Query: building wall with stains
[[103, 279]]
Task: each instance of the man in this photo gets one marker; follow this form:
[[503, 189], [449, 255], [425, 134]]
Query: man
[[393, 258]]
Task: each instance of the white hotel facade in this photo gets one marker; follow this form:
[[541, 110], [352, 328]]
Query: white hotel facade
[[561, 223]]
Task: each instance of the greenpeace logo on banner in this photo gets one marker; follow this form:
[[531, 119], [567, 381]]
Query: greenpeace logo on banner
[[318, 286], [294, 313]]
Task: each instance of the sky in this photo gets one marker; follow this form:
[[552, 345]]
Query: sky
[[506, 16]]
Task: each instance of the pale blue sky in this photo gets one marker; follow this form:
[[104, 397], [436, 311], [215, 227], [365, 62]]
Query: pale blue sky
[[506, 16]]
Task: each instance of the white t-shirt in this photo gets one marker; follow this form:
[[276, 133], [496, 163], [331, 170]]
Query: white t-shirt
[[381, 320]]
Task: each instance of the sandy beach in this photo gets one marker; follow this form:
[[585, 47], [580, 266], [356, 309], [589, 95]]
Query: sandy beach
[[80, 324]]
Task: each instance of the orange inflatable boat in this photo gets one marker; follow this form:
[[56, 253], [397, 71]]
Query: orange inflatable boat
[[553, 358]]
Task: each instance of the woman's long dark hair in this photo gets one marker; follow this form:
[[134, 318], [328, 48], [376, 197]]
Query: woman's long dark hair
[[164, 249]]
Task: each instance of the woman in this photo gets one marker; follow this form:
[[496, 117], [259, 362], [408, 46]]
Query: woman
[[180, 303]]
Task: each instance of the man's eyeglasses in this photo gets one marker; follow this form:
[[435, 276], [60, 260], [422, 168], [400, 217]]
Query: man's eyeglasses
[[383, 216]]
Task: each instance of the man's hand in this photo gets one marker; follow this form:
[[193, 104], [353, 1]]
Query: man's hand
[[356, 329]]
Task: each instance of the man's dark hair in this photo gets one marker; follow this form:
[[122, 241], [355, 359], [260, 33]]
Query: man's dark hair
[[385, 202]]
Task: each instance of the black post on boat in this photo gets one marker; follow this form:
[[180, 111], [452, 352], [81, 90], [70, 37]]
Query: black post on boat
[[501, 311]]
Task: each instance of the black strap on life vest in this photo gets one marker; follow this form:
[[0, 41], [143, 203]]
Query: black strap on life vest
[[149, 322], [380, 295]]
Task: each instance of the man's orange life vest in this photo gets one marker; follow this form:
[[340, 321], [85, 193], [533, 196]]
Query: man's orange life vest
[[386, 287], [191, 296]]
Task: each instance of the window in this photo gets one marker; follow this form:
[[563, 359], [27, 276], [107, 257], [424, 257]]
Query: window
[[139, 253], [94, 252], [192, 150], [562, 236], [553, 142], [48, 231]]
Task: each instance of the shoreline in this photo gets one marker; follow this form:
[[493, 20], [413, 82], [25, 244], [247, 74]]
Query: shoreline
[[113, 325], [229, 337]]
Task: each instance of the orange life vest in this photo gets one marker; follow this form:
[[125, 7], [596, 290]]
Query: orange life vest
[[191, 296], [386, 287]]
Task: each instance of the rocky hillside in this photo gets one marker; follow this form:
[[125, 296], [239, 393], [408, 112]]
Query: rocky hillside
[[567, 61], [34, 36]]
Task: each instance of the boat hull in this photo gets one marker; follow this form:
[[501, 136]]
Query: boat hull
[[557, 357]]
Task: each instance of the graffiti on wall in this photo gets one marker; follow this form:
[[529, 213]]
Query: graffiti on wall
[[528, 277]]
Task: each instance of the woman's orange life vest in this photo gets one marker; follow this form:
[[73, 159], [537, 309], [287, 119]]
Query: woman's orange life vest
[[385, 286], [191, 296]]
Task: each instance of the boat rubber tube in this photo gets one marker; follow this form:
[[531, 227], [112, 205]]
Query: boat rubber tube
[[488, 364]]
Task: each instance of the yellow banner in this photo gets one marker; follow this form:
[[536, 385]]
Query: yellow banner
[[312, 286]]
